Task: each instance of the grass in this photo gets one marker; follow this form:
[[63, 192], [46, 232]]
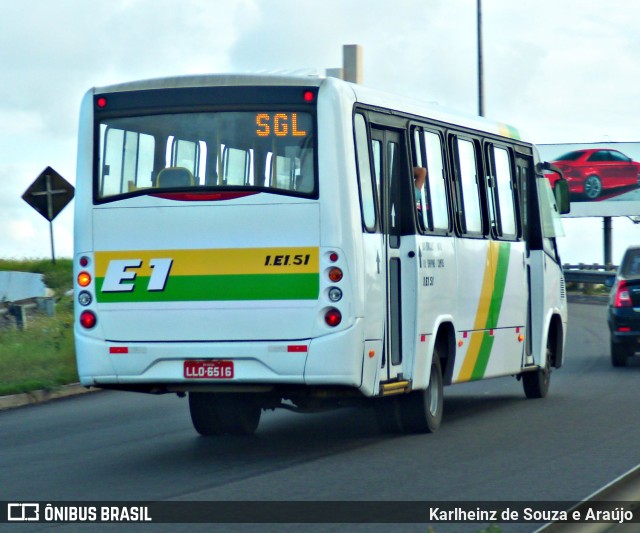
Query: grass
[[42, 356]]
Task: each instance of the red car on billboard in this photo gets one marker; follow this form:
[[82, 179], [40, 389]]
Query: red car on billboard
[[591, 172]]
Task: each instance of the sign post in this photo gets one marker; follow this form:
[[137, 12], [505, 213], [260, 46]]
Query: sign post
[[48, 195]]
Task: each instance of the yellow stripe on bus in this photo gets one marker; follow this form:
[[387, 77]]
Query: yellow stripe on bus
[[481, 315], [289, 260]]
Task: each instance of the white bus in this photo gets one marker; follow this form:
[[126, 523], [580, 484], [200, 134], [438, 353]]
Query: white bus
[[259, 242]]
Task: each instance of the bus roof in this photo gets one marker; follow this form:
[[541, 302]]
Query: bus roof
[[435, 111], [213, 80], [361, 94]]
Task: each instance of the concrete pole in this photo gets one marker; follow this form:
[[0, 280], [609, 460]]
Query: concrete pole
[[352, 63]]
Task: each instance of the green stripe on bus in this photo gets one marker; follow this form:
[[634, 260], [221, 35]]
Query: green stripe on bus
[[513, 132], [502, 268], [483, 356], [508, 131], [499, 284], [219, 288]]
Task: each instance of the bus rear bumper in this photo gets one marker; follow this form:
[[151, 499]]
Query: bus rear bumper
[[335, 359]]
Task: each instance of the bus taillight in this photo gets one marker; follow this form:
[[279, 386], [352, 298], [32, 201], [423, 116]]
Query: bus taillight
[[84, 279], [333, 317], [88, 319], [335, 274]]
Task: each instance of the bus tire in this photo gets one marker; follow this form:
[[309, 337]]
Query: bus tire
[[204, 414], [388, 414], [536, 382], [239, 413], [219, 414], [421, 410]]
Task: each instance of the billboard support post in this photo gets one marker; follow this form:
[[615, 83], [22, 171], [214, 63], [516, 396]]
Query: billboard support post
[[607, 238]]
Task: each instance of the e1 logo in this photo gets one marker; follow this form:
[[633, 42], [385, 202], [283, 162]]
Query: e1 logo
[[121, 271]]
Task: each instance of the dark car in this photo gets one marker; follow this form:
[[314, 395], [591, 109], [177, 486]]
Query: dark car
[[624, 308], [592, 171]]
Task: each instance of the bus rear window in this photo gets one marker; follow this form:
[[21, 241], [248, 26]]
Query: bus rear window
[[267, 150]]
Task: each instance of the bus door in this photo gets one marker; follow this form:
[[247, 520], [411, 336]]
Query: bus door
[[391, 166], [546, 279], [522, 179]]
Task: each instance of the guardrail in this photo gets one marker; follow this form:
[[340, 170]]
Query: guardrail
[[20, 311], [622, 493], [594, 274]]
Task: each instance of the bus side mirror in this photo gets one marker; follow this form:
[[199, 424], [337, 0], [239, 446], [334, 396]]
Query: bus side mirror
[[560, 188], [561, 192]]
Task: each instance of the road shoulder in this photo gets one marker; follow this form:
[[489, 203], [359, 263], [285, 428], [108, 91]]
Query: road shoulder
[[39, 396]]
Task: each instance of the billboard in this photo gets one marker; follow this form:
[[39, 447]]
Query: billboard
[[603, 177]]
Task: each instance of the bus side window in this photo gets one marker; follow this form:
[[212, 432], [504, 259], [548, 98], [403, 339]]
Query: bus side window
[[188, 154], [376, 152], [522, 177], [127, 161], [304, 181], [235, 166], [434, 202], [503, 193], [437, 181], [421, 192], [365, 181], [468, 196], [286, 172]]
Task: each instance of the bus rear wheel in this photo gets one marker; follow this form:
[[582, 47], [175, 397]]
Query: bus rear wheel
[[219, 414], [421, 410], [388, 415]]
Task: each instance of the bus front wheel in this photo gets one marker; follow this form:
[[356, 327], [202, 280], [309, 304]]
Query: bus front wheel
[[219, 414], [536, 382]]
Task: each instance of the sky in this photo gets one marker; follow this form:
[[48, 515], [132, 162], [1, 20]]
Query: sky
[[563, 71]]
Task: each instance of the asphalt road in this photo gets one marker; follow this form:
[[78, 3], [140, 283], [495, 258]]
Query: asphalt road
[[493, 445]]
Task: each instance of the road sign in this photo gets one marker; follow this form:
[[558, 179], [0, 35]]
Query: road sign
[[49, 194]]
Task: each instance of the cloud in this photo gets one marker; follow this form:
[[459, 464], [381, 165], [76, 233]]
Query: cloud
[[55, 51], [562, 71], [555, 71], [20, 122]]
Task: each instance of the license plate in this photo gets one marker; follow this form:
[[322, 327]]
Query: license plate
[[208, 369]]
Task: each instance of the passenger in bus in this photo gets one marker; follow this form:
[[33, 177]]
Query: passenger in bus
[[419, 179]]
